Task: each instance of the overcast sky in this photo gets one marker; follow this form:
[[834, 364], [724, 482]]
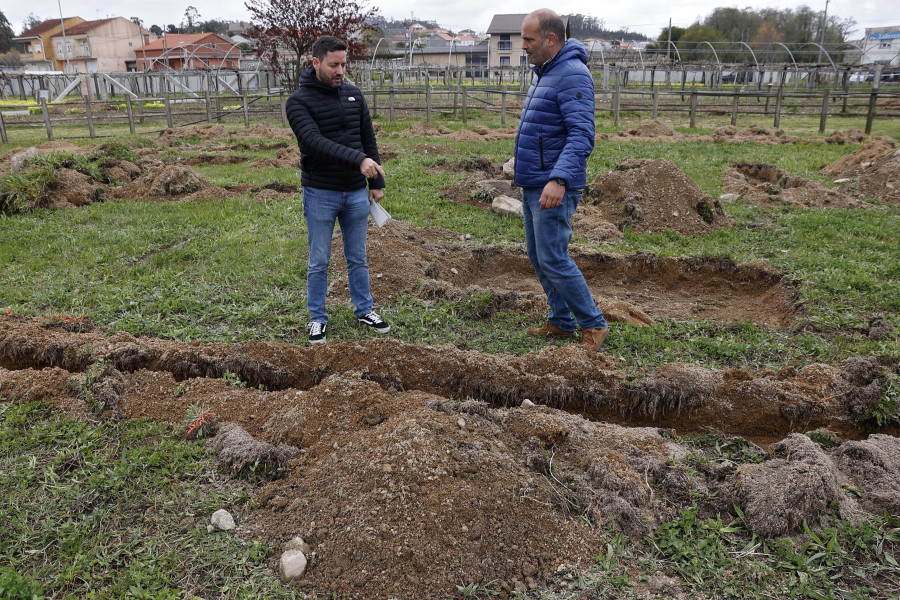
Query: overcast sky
[[643, 16]]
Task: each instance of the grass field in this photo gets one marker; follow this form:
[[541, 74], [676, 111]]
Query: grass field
[[116, 509]]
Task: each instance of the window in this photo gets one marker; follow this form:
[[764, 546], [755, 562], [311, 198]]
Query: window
[[68, 47], [885, 44], [523, 60], [59, 47], [505, 43], [504, 61], [130, 44]]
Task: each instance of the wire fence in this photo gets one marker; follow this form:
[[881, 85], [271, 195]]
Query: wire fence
[[87, 117]]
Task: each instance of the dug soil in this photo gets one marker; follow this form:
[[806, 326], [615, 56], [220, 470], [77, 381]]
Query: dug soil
[[408, 468]]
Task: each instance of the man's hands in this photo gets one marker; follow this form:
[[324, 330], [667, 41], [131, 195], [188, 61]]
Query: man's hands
[[370, 168], [375, 196], [552, 195]]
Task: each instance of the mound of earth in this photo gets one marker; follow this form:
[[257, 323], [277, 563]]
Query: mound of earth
[[72, 189], [651, 196], [850, 164], [407, 468], [285, 158], [654, 128], [753, 133], [770, 186], [424, 129], [480, 134], [403, 260], [211, 131], [881, 179], [14, 160], [168, 183], [847, 136]]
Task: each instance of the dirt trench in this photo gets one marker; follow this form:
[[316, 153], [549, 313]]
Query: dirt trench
[[637, 288], [686, 397], [407, 468]]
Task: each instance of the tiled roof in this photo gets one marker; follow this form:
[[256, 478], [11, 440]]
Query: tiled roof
[[43, 28], [87, 26], [506, 24], [173, 40]]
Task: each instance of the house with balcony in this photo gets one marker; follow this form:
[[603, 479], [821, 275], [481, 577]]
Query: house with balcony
[[505, 34], [101, 46], [36, 48], [189, 51]]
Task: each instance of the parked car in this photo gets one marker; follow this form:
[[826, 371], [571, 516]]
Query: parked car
[[861, 76], [737, 76]]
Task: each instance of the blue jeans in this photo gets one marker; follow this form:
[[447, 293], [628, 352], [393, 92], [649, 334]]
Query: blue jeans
[[351, 210], [547, 236]]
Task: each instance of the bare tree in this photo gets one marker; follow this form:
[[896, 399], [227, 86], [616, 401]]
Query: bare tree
[[286, 30]]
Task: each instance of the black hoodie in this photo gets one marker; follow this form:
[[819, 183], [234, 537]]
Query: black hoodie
[[334, 132]]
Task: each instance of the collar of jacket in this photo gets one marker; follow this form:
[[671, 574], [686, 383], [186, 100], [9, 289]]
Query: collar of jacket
[[572, 50]]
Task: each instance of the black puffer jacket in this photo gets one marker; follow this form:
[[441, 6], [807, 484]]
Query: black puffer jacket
[[334, 132]]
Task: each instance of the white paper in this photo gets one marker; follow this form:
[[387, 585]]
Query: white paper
[[378, 213]]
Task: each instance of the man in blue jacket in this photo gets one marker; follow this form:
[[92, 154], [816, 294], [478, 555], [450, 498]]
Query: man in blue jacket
[[554, 140], [339, 158]]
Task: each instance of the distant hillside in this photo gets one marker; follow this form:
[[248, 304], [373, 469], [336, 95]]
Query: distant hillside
[[584, 26]]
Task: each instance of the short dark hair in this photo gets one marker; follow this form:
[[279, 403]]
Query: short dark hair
[[550, 23], [326, 44]]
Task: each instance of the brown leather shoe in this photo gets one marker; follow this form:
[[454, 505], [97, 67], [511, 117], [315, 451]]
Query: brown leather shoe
[[548, 329], [592, 338]]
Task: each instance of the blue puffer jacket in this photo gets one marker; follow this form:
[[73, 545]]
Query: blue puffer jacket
[[556, 131]]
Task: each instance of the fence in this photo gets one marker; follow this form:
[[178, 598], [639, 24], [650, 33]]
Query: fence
[[179, 108]]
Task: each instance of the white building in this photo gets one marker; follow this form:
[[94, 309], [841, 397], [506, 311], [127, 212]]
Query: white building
[[882, 46]]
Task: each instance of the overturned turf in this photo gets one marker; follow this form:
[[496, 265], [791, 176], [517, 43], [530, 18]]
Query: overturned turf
[[406, 468]]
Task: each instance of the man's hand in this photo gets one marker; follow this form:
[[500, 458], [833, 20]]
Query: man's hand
[[552, 195], [375, 196], [370, 168]]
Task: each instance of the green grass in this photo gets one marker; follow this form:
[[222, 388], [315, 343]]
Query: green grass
[[234, 269], [118, 510]]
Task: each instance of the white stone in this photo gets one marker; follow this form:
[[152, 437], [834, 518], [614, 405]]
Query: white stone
[[504, 205], [509, 168], [526, 403], [292, 565], [844, 180], [461, 423], [222, 520], [18, 161], [729, 197]]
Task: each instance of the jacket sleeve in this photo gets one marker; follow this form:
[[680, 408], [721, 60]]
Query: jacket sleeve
[[311, 139], [576, 105], [370, 145]]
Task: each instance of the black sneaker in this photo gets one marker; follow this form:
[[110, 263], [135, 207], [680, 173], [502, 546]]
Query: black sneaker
[[374, 320], [316, 332]]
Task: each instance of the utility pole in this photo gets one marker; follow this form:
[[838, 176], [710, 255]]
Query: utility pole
[[669, 44], [62, 23], [822, 31]]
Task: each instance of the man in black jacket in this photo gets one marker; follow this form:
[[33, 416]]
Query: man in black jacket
[[339, 159]]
